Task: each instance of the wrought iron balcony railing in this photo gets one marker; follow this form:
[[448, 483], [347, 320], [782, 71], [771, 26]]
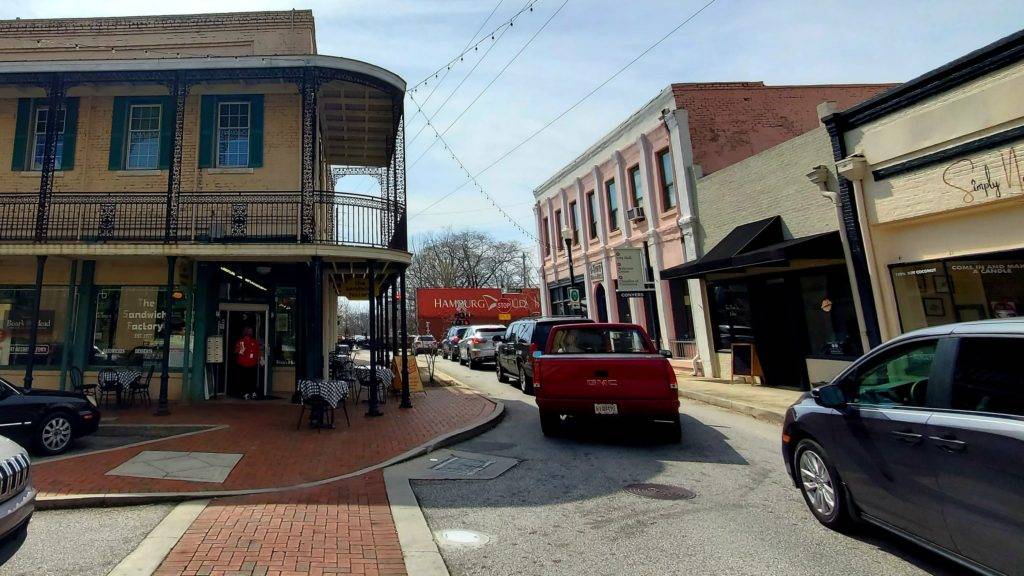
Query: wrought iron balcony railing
[[205, 217]]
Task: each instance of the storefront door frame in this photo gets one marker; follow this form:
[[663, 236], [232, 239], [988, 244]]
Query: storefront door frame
[[246, 307]]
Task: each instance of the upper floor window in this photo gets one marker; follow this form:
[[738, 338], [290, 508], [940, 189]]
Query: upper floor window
[[231, 131], [558, 232], [613, 205], [668, 179], [637, 186], [233, 134], [30, 125], [143, 137], [545, 236], [574, 212], [591, 212], [39, 137]]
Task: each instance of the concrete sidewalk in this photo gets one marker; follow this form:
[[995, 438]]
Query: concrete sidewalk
[[761, 402]]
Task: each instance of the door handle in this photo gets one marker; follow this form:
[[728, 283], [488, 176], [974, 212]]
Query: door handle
[[949, 444], [908, 437]]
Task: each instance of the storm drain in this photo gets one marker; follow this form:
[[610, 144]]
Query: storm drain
[[462, 466], [661, 491]]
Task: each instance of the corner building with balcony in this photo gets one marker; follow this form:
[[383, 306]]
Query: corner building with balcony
[[183, 168]]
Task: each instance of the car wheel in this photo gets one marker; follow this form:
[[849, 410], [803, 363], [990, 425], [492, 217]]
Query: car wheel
[[820, 484], [502, 377], [525, 384], [54, 434], [550, 424], [473, 364]]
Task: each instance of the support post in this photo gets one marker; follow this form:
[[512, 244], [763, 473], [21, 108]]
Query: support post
[[34, 329], [165, 361], [179, 91], [55, 104], [307, 92], [315, 369], [406, 399], [394, 321], [373, 409]]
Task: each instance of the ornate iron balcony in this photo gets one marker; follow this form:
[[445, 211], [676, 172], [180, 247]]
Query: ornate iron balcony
[[204, 217]]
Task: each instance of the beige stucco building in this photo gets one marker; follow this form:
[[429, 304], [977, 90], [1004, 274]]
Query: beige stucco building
[[933, 186], [193, 163]]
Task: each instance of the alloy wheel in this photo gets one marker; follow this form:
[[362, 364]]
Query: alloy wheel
[[56, 433], [817, 483]]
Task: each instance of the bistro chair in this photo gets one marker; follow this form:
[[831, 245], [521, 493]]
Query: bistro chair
[[321, 413], [140, 388], [108, 384], [78, 383]]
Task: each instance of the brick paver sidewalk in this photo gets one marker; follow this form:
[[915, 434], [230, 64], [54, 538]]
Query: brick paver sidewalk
[[275, 454], [344, 527]]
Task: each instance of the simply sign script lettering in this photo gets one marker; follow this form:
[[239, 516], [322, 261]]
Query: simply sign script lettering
[[985, 180]]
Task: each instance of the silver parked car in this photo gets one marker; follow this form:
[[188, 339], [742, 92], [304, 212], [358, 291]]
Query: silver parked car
[[477, 345], [17, 496]]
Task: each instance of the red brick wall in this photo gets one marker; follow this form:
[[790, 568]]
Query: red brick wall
[[730, 121]]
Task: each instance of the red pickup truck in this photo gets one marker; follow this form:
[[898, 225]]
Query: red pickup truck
[[604, 371]]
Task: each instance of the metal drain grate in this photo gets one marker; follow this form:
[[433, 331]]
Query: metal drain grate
[[462, 466], [661, 491]]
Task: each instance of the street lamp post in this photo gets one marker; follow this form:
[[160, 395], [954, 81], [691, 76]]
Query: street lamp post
[[567, 237]]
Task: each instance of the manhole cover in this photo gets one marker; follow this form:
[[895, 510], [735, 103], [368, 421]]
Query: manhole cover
[[661, 491], [463, 537], [462, 466]]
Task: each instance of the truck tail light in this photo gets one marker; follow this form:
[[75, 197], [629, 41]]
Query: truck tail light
[[673, 383], [475, 340]]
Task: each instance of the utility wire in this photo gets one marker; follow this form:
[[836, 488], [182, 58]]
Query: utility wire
[[468, 44], [461, 56], [493, 80], [534, 134]]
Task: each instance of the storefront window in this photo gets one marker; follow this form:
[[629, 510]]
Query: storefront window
[[128, 327], [731, 314], [958, 291], [830, 315], [284, 327], [16, 323]]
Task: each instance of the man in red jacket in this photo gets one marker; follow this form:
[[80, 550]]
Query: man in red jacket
[[247, 359]]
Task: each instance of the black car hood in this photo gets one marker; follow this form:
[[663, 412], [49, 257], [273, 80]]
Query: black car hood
[[52, 394]]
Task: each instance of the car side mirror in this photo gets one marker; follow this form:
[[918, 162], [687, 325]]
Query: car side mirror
[[829, 396], [666, 353]]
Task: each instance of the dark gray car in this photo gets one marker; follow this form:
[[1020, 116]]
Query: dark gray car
[[923, 436]]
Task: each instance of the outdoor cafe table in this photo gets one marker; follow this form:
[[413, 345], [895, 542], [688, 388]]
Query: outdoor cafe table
[[333, 392], [384, 378]]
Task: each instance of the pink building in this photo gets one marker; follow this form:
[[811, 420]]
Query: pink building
[[637, 187]]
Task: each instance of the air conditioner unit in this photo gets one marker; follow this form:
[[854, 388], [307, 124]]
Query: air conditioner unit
[[635, 214]]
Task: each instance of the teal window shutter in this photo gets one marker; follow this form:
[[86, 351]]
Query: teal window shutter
[[67, 160], [207, 125], [21, 127], [166, 131], [117, 133], [256, 131]]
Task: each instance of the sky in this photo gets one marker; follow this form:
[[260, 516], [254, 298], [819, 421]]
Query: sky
[[583, 44]]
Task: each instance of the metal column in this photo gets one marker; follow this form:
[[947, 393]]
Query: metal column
[[165, 361], [373, 409], [406, 400], [34, 328]]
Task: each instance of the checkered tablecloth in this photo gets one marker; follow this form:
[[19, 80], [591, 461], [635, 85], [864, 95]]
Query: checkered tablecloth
[[124, 376], [384, 375], [333, 392]]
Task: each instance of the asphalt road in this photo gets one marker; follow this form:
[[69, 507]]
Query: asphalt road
[[87, 542], [562, 510]]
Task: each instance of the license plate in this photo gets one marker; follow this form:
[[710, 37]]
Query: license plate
[[606, 408]]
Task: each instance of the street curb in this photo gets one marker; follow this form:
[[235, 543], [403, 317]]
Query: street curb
[[150, 553], [419, 550], [55, 502], [766, 415]]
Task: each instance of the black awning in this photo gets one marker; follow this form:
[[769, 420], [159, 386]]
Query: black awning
[[759, 244]]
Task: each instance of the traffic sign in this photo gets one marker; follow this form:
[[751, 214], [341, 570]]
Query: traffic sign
[[574, 295], [504, 307]]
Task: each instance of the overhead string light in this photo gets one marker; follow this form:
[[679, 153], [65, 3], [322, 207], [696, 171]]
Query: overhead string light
[[515, 224], [473, 48]]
